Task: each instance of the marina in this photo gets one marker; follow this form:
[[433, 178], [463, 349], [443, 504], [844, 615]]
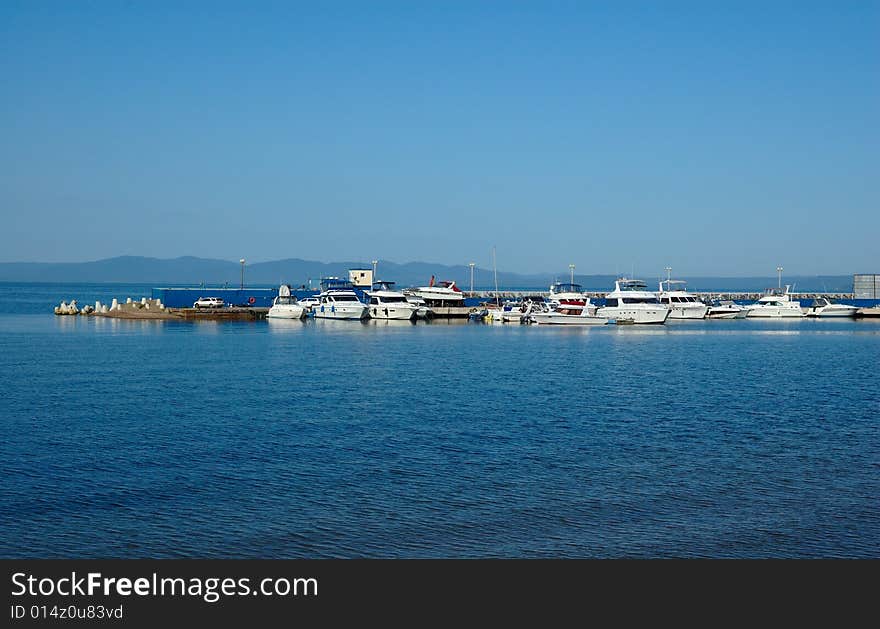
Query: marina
[[360, 297]]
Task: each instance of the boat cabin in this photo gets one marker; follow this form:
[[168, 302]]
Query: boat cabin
[[378, 299], [333, 297], [335, 283], [566, 287]]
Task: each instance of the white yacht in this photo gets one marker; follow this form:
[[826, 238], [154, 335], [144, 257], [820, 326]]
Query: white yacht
[[726, 310], [443, 294], [443, 299], [682, 305], [285, 306], [630, 302], [388, 303], [823, 307], [776, 303], [339, 301], [568, 314], [567, 293]]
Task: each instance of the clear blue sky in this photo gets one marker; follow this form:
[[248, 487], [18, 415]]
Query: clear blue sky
[[717, 138]]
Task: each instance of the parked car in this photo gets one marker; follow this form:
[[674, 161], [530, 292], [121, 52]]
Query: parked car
[[208, 302]]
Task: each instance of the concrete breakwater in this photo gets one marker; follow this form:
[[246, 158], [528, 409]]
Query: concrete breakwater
[[155, 309]]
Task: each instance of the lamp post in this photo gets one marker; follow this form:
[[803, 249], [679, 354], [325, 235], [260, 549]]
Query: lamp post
[[472, 264], [242, 274], [375, 263], [668, 275], [779, 273], [571, 268]]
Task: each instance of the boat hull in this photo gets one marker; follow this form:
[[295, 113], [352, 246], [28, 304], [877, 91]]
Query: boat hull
[[647, 316], [450, 311], [553, 318], [689, 313], [775, 313], [393, 313], [833, 312], [286, 312], [341, 312], [730, 314]]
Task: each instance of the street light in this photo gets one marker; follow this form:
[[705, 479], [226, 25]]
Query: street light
[[472, 264], [779, 272], [571, 268], [375, 262], [242, 273]]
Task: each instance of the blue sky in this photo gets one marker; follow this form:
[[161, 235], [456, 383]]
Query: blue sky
[[716, 138]]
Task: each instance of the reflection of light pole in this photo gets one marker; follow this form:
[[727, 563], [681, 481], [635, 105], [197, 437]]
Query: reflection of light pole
[[471, 264], [571, 267], [779, 272], [242, 273], [375, 262]]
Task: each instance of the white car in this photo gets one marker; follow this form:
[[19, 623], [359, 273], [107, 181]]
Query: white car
[[208, 302]]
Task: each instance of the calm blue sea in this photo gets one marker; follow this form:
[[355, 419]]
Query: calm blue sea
[[339, 439]]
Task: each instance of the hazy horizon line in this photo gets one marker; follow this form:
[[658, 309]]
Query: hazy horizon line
[[367, 264]]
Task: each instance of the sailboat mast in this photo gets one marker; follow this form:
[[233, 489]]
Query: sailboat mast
[[495, 270]]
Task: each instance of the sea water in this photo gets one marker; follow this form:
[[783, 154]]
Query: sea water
[[325, 438]]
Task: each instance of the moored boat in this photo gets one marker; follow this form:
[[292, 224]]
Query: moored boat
[[630, 300], [776, 303], [569, 314], [338, 300], [681, 304], [567, 293], [726, 309], [385, 302], [443, 299], [824, 307], [285, 305]]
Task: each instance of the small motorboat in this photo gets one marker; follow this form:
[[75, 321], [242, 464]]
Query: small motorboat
[[726, 310], [569, 314], [823, 307], [478, 314], [285, 306]]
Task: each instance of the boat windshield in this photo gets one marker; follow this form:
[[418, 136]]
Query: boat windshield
[[632, 285], [640, 300], [345, 297]]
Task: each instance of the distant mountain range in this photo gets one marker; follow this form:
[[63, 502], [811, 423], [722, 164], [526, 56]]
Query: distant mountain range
[[187, 271]]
